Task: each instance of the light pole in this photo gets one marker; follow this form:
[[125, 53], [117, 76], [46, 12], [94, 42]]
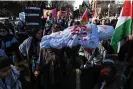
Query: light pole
[[108, 10]]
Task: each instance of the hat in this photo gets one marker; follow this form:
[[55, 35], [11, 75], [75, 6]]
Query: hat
[[4, 62], [108, 60]]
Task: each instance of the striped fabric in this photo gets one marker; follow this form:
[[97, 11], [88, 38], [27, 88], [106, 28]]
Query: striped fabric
[[11, 81], [96, 59], [24, 47]]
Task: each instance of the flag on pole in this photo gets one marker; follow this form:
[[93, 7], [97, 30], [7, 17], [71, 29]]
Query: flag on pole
[[124, 24], [69, 12], [85, 18], [94, 15], [82, 8], [54, 13], [47, 12]]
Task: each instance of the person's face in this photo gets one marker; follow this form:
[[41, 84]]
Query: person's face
[[39, 34], [103, 22], [5, 72], [107, 22], [3, 32], [74, 24], [95, 22]]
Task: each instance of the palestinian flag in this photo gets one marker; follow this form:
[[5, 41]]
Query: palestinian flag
[[85, 18], [124, 25], [82, 8]]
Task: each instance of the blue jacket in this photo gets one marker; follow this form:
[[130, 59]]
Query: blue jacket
[[11, 81]]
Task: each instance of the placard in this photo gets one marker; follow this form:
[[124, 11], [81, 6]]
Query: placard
[[32, 17]]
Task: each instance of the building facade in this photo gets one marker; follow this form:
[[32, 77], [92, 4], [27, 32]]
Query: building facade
[[106, 7]]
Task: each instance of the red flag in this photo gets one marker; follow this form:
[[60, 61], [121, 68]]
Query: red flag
[[68, 11], [95, 13], [85, 18], [128, 8]]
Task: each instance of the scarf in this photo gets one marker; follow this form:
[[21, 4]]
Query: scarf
[[11, 81]]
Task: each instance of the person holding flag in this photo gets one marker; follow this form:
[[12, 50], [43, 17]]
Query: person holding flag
[[123, 26], [124, 33]]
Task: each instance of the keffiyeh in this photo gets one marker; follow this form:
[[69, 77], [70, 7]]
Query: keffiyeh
[[11, 81]]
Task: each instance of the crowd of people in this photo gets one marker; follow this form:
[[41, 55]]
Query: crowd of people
[[50, 68]]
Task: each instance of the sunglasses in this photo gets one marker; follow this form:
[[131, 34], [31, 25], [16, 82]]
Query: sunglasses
[[5, 69]]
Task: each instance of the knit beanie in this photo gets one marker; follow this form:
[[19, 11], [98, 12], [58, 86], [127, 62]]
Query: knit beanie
[[4, 62]]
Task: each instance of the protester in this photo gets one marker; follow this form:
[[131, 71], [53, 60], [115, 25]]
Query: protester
[[108, 72], [60, 20], [89, 70], [107, 22], [125, 55], [71, 22], [48, 23], [8, 42], [96, 21], [107, 46], [113, 22], [9, 26], [103, 22], [9, 76], [54, 64], [64, 22], [77, 23], [56, 28], [50, 58], [29, 49]]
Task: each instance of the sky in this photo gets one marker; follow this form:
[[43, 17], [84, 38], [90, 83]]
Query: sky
[[79, 2]]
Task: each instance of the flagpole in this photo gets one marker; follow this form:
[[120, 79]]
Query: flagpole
[[131, 17], [119, 43], [96, 7]]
